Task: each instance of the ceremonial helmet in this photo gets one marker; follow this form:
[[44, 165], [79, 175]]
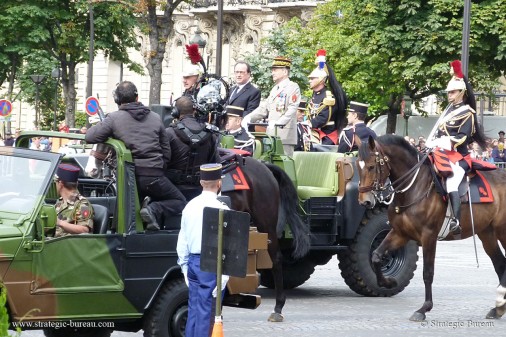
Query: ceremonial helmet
[[457, 82], [320, 72]]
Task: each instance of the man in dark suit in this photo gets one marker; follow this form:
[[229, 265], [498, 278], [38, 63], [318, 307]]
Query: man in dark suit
[[244, 94]]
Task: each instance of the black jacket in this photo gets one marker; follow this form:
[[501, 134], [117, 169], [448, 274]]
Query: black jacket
[[346, 140], [248, 98], [143, 133], [188, 154]]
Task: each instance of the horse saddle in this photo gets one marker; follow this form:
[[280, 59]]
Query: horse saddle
[[478, 185], [233, 175]]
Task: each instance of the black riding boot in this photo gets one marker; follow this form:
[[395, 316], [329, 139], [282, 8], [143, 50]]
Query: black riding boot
[[455, 220]]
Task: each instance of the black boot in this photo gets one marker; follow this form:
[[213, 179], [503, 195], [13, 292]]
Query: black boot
[[455, 228], [147, 216]]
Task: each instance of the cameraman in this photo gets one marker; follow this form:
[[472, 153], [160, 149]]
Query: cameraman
[[191, 142]]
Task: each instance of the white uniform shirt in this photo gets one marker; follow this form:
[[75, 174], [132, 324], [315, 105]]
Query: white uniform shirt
[[190, 236]]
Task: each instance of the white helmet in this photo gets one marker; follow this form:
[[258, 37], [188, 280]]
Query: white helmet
[[456, 84], [192, 70], [318, 73]]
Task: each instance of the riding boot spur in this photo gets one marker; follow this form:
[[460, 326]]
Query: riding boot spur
[[455, 228]]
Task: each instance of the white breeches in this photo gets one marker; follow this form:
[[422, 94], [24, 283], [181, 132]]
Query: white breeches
[[453, 181]]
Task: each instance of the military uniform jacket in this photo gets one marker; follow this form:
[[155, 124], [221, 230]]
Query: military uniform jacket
[[242, 140], [346, 139], [458, 122], [76, 210], [320, 113], [281, 107]]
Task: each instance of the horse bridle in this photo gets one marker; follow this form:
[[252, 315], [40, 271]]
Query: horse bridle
[[378, 185]]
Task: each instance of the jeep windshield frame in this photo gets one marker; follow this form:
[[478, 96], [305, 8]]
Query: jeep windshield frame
[[25, 176]]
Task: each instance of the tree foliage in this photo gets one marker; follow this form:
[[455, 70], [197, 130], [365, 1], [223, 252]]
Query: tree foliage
[[60, 29], [381, 50]]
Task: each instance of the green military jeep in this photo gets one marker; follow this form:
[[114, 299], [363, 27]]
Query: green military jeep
[[116, 278]]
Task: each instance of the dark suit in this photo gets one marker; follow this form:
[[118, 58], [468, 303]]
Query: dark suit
[[347, 141], [248, 98]]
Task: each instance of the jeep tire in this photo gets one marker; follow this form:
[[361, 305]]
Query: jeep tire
[[355, 262], [167, 317]]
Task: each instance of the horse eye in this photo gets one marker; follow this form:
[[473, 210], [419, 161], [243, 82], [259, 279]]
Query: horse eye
[[370, 167]]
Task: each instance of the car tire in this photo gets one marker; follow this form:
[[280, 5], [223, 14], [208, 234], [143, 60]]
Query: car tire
[[295, 273], [77, 332]]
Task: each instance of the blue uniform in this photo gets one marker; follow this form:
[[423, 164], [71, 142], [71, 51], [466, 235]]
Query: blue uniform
[[201, 284], [347, 141]]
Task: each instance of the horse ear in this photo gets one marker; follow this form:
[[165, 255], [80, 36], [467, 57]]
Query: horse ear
[[372, 143]]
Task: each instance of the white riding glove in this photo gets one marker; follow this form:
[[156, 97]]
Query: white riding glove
[[224, 280], [444, 143]]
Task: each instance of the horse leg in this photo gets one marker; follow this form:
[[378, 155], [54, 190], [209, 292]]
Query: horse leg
[[493, 250], [277, 273], [391, 242]]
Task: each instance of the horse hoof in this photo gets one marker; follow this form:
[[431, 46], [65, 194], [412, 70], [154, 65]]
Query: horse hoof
[[389, 283], [275, 317], [417, 317], [492, 314]]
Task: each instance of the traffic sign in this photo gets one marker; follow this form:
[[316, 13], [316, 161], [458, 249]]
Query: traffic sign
[[92, 106], [5, 108]]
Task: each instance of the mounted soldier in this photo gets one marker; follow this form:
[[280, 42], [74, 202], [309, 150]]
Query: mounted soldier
[[326, 108], [456, 128]]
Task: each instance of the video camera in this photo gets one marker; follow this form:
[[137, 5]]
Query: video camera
[[209, 99]]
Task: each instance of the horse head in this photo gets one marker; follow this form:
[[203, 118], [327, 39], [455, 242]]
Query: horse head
[[373, 168]]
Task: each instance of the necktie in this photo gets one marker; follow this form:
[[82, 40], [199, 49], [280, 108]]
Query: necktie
[[234, 93]]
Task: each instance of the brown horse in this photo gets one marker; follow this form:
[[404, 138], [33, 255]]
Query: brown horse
[[272, 203], [417, 211]]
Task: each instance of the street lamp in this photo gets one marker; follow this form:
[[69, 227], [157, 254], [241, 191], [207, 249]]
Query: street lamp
[[37, 79], [201, 42], [56, 73]]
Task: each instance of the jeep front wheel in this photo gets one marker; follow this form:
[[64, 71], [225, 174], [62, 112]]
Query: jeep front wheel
[[168, 315], [355, 262]]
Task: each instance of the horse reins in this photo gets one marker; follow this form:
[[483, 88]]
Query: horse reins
[[377, 187]]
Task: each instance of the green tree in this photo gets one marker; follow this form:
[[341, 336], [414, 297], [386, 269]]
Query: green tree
[[381, 50], [281, 42], [62, 29]]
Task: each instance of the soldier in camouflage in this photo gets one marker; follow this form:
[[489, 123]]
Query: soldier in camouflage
[[75, 213]]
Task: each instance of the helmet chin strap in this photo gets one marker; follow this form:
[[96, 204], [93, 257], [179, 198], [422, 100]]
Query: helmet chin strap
[[459, 98], [322, 80]]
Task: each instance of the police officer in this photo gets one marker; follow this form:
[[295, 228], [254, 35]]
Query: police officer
[[201, 284], [357, 112], [242, 139], [75, 213], [143, 133], [281, 106], [456, 128]]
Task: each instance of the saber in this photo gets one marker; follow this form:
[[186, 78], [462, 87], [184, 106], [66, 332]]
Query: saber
[[472, 221]]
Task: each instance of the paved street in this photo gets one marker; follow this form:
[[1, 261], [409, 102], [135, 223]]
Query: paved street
[[324, 306]]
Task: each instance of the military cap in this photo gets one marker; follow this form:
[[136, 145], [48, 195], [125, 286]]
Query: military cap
[[210, 172], [235, 111], [358, 107], [302, 105], [281, 62], [68, 173]]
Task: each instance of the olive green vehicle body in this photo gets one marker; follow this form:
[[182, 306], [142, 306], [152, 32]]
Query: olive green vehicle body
[[112, 277]]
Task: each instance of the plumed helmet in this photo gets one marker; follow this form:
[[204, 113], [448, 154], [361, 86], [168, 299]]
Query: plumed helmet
[[320, 71], [457, 82], [192, 70]]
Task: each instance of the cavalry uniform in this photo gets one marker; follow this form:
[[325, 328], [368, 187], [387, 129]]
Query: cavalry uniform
[[322, 121], [76, 210]]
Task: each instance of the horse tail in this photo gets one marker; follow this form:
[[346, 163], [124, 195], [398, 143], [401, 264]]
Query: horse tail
[[288, 213]]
